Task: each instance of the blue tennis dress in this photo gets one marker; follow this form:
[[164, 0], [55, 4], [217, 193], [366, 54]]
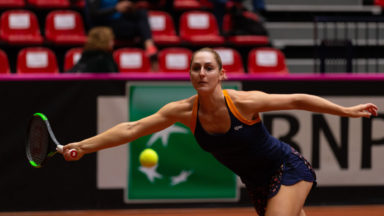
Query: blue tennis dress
[[261, 161]]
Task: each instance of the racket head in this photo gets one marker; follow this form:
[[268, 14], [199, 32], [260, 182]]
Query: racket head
[[38, 143]]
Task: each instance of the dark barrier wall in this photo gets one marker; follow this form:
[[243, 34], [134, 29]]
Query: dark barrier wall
[[71, 107], [70, 104]]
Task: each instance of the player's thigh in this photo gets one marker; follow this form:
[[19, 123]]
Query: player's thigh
[[290, 200]]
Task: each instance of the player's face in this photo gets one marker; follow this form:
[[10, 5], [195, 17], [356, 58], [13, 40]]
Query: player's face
[[205, 73]]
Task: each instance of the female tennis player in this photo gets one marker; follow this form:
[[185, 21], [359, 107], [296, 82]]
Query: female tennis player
[[227, 124]]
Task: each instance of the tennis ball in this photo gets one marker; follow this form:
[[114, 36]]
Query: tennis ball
[[148, 158]]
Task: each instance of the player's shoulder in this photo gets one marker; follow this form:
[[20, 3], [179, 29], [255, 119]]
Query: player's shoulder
[[183, 103], [179, 111], [180, 106], [248, 102], [238, 96]]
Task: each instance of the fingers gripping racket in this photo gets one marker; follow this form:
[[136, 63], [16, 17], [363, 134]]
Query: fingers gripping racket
[[41, 142]]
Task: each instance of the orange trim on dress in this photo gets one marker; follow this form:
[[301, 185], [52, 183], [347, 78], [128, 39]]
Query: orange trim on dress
[[194, 114], [236, 113]]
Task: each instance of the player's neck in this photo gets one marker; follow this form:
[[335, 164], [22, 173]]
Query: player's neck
[[212, 101]]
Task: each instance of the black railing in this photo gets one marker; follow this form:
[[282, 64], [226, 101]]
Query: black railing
[[348, 44]]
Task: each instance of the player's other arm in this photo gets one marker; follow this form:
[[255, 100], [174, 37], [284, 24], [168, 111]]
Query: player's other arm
[[127, 131], [268, 102]]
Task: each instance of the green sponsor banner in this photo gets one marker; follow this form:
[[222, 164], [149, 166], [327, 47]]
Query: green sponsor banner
[[185, 172]]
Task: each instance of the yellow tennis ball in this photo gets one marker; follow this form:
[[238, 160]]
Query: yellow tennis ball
[[148, 158]]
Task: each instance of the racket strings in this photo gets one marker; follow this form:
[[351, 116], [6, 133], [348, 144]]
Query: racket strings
[[38, 142]]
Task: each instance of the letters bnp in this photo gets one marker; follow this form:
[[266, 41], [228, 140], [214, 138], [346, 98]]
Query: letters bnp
[[339, 135]]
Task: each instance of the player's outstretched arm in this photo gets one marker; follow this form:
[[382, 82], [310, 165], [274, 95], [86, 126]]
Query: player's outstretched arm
[[269, 102], [317, 104], [128, 131]]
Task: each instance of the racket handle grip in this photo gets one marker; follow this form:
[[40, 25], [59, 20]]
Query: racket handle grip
[[72, 152]]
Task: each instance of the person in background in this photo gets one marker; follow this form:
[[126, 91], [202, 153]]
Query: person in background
[[241, 24], [97, 54], [126, 18], [219, 10], [254, 5]]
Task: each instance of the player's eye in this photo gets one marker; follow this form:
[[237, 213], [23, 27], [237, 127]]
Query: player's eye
[[195, 68], [209, 68]]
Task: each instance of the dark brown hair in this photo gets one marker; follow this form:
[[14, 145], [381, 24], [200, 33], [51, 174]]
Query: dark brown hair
[[210, 50], [99, 38]]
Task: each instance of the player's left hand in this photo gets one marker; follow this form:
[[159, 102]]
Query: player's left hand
[[363, 110]]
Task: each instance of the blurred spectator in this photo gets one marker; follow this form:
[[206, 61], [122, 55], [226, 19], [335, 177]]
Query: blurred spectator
[[127, 19], [245, 22], [219, 10], [97, 55], [221, 7], [254, 5]]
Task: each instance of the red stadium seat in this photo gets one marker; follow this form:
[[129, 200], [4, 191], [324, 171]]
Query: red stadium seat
[[379, 3], [200, 28], [20, 27], [65, 27], [72, 56], [78, 3], [36, 60], [174, 60], [4, 63], [191, 4], [186, 4], [231, 60], [12, 3], [266, 60], [132, 60], [206, 4], [163, 28], [49, 3], [247, 40]]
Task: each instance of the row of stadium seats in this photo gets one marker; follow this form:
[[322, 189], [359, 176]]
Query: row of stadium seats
[[41, 3], [66, 27], [177, 4], [172, 59]]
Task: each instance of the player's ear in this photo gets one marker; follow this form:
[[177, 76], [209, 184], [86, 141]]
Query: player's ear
[[223, 75]]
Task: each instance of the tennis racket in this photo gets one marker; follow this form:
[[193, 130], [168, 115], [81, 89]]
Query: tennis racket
[[41, 142]]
